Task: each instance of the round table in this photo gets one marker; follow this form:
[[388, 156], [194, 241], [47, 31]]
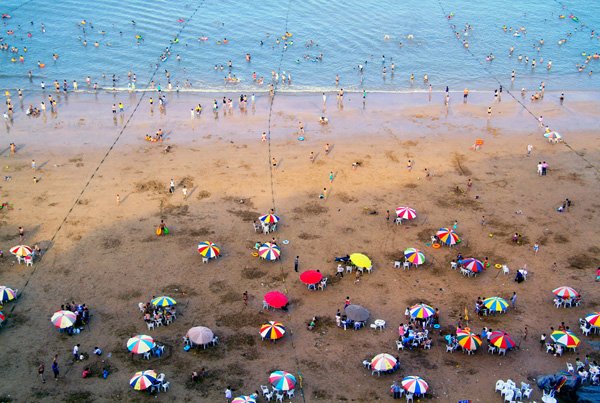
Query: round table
[[379, 323]]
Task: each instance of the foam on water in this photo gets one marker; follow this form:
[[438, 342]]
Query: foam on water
[[347, 33]]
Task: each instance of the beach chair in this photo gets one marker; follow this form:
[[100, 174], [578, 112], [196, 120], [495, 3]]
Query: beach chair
[[160, 378], [150, 325], [279, 397], [399, 345], [165, 386], [527, 393], [525, 386], [204, 259], [268, 396], [409, 397], [348, 269], [28, 260], [369, 269], [491, 349], [499, 385], [501, 351], [398, 220], [147, 355], [406, 265], [557, 303], [142, 307], [290, 393], [397, 264]]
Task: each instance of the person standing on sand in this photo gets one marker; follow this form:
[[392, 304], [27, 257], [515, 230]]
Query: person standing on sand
[[387, 215], [185, 192], [409, 165], [33, 166], [55, 368], [41, 370], [296, 263], [331, 176], [263, 137], [489, 111], [327, 149], [118, 200], [529, 149], [228, 394], [536, 248], [513, 300], [245, 298], [172, 186]]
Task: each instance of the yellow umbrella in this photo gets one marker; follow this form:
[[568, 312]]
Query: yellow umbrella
[[360, 260]]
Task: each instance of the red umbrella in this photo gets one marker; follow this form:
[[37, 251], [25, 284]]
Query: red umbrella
[[276, 299], [311, 277]]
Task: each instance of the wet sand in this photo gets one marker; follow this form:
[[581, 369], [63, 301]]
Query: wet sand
[[108, 257]]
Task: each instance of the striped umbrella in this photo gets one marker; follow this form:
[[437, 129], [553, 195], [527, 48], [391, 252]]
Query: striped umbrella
[[360, 260], [415, 385], [311, 277], [415, 256], [565, 292], [140, 344], [209, 249], [565, 338], [276, 299], [472, 264], [495, 304], [421, 311], [282, 380], [406, 213], [2, 317], [21, 250], [244, 399], [383, 362], [63, 319], [468, 340], [593, 319], [447, 236], [7, 294], [143, 380], [501, 340], [269, 251], [553, 135], [163, 301], [269, 218], [272, 330]]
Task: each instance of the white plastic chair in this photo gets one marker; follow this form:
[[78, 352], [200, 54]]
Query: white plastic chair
[[585, 330], [150, 325], [397, 264], [409, 397], [366, 364], [527, 393], [290, 393], [509, 395], [142, 307], [160, 378], [165, 386], [501, 351], [525, 386], [147, 355], [505, 269], [204, 260], [499, 385], [491, 349], [279, 397], [511, 383], [399, 345], [369, 269], [406, 265], [557, 303], [268, 396], [449, 349], [348, 269]]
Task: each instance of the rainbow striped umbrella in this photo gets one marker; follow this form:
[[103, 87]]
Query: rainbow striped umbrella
[[244, 399], [565, 292], [272, 330], [406, 213], [468, 340], [421, 311], [553, 135], [21, 250], [2, 317], [209, 249], [140, 344], [269, 251], [163, 301], [269, 218], [143, 380], [593, 319], [501, 340], [472, 264], [282, 380], [415, 385], [383, 362], [448, 236], [7, 294], [63, 319], [415, 256], [495, 304], [565, 338]]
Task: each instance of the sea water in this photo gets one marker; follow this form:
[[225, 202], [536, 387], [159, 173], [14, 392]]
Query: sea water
[[416, 36]]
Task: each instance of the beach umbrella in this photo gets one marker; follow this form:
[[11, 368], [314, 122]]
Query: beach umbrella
[[2, 317], [553, 135], [495, 304], [415, 385], [63, 319], [356, 313], [142, 380], [501, 340], [272, 330], [276, 299], [360, 260], [21, 250], [468, 340], [421, 311], [472, 264], [269, 251], [565, 338], [209, 249], [282, 380], [415, 256], [7, 294], [311, 277], [406, 213], [163, 301], [244, 399], [593, 319], [200, 335], [269, 219], [565, 292], [383, 362], [447, 236], [140, 344]]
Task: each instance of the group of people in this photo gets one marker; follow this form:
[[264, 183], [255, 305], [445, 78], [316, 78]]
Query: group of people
[[414, 334], [158, 315], [158, 137], [82, 314]]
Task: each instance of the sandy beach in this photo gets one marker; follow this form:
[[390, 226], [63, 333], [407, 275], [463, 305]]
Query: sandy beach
[[107, 255]]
